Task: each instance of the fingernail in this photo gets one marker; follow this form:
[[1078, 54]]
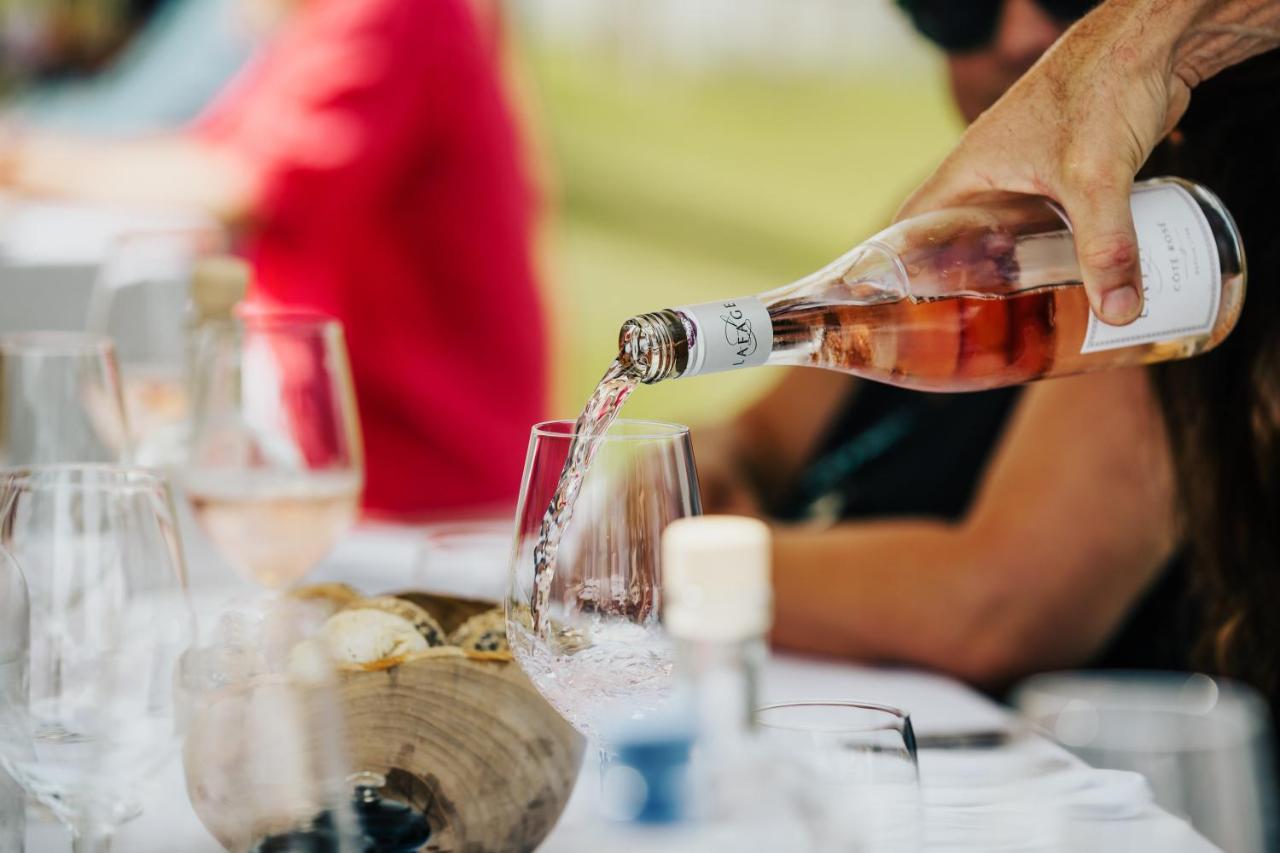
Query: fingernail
[[1120, 304]]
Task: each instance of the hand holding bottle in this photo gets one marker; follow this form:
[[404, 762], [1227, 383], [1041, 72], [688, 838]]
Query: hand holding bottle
[[1079, 125]]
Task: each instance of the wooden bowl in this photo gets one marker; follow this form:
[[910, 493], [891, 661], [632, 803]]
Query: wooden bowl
[[465, 739]]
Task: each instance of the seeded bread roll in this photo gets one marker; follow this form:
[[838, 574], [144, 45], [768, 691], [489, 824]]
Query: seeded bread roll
[[485, 632], [365, 636], [422, 621]]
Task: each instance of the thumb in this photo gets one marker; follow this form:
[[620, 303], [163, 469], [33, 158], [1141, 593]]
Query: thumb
[[1106, 247]]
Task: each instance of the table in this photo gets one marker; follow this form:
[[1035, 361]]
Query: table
[[383, 558]]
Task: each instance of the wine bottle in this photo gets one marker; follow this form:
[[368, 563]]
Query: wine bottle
[[969, 298]]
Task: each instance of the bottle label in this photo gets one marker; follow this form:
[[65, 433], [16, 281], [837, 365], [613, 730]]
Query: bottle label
[[1181, 279], [727, 335]]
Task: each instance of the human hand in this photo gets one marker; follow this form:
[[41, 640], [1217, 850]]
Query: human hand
[[1079, 125]]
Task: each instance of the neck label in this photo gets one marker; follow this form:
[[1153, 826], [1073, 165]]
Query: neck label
[[727, 335], [1181, 279]]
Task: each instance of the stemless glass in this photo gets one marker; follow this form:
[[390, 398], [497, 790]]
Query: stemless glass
[[60, 400], [601, 652], [275, 466], [14, 615], [851, 768], [1204, 745], [140, 300], [109, 618]]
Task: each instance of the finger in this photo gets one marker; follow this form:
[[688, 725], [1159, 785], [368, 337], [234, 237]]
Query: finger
[[1106, 245], [939, 190]]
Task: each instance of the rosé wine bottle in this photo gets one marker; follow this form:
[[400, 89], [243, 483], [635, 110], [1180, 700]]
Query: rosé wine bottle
[[970, 298]]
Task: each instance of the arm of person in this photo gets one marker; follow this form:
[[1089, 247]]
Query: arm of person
[[762, 449], [173, 170], [331, 117], [1063, 536], [1079, 124]]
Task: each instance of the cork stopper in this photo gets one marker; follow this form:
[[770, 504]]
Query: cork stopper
[[218, 283], [716, 578]]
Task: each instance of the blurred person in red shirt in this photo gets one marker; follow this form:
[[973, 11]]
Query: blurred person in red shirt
[[372, 168]]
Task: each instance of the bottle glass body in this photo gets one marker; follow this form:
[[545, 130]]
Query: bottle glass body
[[970, 298]]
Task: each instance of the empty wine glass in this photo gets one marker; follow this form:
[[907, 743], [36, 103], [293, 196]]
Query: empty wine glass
[[275, 464], [140, 300], [109, 618], [1204, 745], [851, 769], [14, 615], [60, 400], [601, 651], [266, 753]]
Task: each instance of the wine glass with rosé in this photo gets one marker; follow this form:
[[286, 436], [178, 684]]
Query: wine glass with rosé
[[275, 463]]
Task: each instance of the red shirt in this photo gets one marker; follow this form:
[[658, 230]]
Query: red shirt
[[392, 197]]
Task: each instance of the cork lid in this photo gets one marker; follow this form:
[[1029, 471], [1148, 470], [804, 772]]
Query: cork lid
[[218, 283], [716, 577]]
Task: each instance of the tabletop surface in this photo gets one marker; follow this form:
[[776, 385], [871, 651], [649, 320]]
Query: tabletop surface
[[384, 558]]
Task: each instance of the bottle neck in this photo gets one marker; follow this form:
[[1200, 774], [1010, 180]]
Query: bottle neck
[[707, 338], [778, 327], [655, 346]]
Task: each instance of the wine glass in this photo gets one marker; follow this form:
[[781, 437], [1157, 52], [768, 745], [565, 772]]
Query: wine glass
[[140, 300], [109, 618], [266, 751], [1204, 745], [14, 615], [275, 464], [60, 400], [852, 769], [600, 651]]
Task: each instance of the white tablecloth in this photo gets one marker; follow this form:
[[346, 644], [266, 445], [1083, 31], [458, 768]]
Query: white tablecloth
[[378, 559]]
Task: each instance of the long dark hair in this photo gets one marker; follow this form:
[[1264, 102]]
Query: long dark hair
[[1222, 410]]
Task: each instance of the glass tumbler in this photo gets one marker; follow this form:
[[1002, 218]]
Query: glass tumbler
[[851, 770]]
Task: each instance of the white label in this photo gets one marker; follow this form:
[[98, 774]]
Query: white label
[[727, 335], [1181, 280]]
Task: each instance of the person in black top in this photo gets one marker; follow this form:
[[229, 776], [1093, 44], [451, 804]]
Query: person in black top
[[1192, 88], [986, 535]]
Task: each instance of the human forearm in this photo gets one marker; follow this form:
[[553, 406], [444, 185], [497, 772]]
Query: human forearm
[[1065, 532], [1222, 33], [167, 170], [1194, 39], [875, 591], [978, 604]]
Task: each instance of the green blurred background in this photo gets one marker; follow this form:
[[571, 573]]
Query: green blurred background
[[673, 185]]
